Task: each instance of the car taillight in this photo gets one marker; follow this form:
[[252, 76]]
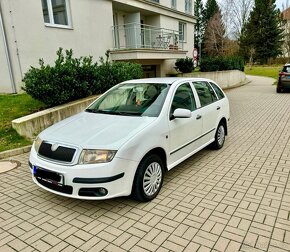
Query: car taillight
[[282, 74]]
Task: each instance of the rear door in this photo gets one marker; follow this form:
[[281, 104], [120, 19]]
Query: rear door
[[209, 109]]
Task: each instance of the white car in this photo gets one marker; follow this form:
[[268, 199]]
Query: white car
[[126, 140]]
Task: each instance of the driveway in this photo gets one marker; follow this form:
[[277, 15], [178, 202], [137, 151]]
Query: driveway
[[234, 199]]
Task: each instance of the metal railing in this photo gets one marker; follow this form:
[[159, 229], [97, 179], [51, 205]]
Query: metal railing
[[140, 36]]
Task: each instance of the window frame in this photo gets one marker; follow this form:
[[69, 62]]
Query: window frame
[[208, 87], [213, 85], [194, 104], [188, 6], [51, 17], [182, 34], [173, 4]]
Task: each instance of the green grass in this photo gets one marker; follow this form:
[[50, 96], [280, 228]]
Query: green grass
[[12, 107], [267, 71]]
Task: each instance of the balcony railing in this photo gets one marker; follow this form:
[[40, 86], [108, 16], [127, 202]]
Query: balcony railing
[[140, 36]]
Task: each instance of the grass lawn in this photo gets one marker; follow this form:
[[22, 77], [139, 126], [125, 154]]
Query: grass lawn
[[12, 107], [267, 71]]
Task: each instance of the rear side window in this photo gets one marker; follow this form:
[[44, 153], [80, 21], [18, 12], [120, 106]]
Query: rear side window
[[218, 91], [286, 69], [205, 93]]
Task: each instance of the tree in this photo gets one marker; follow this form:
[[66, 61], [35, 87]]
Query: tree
[[199, 25], [236, 14], [211, 8], [214, 37], [263, 32]]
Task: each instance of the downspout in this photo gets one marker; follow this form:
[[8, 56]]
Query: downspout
[[7, 54]]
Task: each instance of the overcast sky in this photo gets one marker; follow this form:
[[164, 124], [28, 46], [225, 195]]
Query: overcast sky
[[279, 3]]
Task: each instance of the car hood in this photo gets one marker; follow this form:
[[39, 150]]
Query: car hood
[[96, 131]]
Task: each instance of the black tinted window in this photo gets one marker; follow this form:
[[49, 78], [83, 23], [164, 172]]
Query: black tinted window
[[205, 93], [218, 91]]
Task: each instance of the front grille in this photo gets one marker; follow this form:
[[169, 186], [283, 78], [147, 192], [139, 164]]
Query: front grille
[[62, 153], [62, 189]]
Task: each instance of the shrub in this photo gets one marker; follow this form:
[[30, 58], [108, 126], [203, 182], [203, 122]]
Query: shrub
[[184, 65], [74, 78], [222, 63]]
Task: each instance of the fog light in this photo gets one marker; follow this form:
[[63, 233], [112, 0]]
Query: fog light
[[102, 191], [93, 192]]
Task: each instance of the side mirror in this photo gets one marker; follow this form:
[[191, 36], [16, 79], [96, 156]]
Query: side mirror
[[181, 113]]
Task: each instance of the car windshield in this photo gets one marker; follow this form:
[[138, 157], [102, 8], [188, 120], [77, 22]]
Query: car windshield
[[130, 99], [286, 69]]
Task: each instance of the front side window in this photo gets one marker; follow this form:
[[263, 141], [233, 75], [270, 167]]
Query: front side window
[[205, 93], [183, 98], [55, 12], [182, 28], [144, 99], [188, 6]]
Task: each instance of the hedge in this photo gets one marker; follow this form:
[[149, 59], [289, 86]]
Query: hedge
[[211, 64], [72, 78]]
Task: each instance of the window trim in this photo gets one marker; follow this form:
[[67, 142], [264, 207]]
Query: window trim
[[209, 86], [184, 25], [51, 19]]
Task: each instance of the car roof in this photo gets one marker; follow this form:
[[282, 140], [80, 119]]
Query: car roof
[[287, 64], [165, 80]]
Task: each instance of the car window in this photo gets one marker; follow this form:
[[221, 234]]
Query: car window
[[183, 98], [286, 69], [205, 93], [139, 99], [218, 91]]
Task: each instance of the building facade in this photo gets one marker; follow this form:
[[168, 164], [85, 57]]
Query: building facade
[[153, 33]]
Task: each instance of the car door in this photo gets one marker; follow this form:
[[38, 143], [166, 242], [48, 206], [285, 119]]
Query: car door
[[209, 109], [184, 133]]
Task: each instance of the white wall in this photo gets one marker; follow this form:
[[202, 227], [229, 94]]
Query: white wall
[[5, 81], [91, 32]]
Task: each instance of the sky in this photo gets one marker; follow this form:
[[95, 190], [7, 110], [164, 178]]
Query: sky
[[279, 3]]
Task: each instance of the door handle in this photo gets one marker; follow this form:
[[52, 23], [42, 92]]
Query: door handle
[[198, 117], [218, 108]]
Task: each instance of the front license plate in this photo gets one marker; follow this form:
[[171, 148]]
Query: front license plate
[[48, 176]]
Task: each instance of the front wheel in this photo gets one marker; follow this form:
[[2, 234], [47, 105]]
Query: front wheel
[[148, 178], [220, 137]]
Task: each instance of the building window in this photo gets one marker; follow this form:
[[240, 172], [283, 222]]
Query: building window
[[182, 31], [173, 4], [55, 12], [188, 6], [156, 1]]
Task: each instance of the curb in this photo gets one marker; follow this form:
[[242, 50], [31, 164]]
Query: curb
[[247, 81], [15, 152]]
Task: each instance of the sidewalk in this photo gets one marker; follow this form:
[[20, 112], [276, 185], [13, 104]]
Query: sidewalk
[[234, 199]]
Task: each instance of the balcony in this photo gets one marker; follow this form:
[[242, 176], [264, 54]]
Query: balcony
[[139, 41]]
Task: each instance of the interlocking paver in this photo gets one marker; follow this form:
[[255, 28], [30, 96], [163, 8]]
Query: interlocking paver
[[234, 199]]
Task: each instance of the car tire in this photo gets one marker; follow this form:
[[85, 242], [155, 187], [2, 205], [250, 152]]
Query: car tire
[[148, 178], [279, 90], [220, 137]]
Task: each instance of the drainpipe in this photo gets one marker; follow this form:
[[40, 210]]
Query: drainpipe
[[7, 54]]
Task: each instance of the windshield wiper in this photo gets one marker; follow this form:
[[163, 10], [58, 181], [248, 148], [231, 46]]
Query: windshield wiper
[[109, 112]]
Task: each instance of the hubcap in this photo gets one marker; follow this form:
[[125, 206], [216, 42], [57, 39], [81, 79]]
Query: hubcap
[[152, 178], [221, 135]]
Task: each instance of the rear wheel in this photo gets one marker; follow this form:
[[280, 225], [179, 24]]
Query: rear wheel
[[148, 178], [279, 90], [220, 137]]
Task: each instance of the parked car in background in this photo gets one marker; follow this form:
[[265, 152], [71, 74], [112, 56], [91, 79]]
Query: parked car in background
[[284, 79], [125, 141]]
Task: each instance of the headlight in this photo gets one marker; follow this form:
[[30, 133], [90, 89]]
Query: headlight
[[96, 156], [37, 143]]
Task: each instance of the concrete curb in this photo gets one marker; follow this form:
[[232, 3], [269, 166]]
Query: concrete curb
[[247, 81], [14, 152]]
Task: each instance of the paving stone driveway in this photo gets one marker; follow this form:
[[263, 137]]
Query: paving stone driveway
[[235, 199]]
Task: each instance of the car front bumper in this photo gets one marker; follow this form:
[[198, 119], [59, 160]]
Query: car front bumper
[[90, 182]]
